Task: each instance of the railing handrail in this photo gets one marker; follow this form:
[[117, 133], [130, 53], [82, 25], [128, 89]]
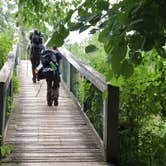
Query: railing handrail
[[6, 74], [92, 75], [8, 67], [110, 142]]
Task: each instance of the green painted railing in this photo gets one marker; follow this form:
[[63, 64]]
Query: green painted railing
[[6, 86], [74, 73]]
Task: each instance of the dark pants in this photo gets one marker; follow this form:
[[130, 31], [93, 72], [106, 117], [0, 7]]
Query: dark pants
[[53, 90], [35, 62], [35, 58]]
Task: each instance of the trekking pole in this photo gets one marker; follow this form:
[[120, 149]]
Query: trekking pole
[[39, 89]]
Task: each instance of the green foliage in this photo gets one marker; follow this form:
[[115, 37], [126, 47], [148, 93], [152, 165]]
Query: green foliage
[[15, 83], [9, 106], [90, 48], [24, 41], [92, 101], [6, 150], [95, 59], [47, 16], [142, 114], [7, 20], [2, 151], [5, 47], [142, 106], [126, 27], [58, 37]]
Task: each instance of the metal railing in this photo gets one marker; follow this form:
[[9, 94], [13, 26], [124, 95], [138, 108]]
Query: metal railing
[[105, 118], [6, 86]]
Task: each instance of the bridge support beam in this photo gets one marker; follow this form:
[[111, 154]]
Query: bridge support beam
[[110, 130]]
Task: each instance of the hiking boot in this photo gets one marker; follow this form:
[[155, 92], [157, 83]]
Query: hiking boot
[[38, 79], [49, 103], [55, 102], [34, 80]]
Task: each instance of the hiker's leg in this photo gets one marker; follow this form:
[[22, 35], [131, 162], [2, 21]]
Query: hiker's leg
[[37, 62], [56, 95], [33, 69], [49, 92], [56, 90], [33, 63]]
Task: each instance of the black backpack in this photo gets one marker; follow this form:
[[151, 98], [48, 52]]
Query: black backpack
[[47, 56], [35, 39]]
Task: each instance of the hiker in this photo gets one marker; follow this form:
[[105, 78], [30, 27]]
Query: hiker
[[35, 50], [51, 62], [54, 83]]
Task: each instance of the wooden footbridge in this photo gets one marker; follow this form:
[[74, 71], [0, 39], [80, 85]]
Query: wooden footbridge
[[56, 135]]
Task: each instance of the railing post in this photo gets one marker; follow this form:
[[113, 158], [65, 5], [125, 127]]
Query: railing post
[[70, 77], [2, 107], [110, 123]]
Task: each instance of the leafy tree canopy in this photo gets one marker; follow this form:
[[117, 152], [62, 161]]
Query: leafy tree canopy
[[7, 20], [7, 29], [126, 28]]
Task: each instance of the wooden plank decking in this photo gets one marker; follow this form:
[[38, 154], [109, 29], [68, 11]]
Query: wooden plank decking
[[44, 135]]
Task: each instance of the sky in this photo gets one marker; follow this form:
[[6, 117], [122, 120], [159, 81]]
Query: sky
[[76, 37]]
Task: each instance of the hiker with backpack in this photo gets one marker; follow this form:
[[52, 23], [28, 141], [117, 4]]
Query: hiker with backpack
[[50, 59], [35, 51]]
